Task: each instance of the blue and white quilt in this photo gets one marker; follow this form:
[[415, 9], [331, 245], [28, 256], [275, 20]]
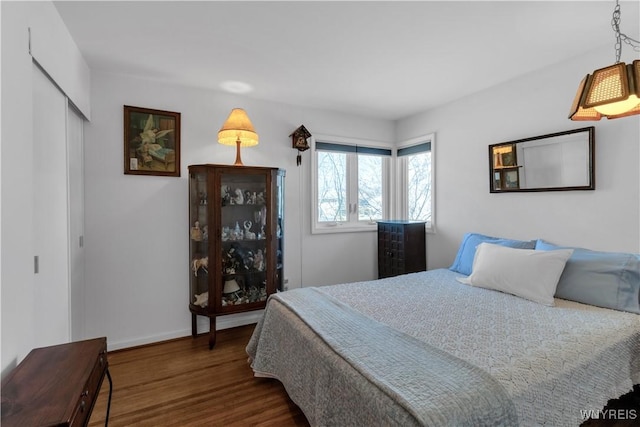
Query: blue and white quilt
[[424, 349]]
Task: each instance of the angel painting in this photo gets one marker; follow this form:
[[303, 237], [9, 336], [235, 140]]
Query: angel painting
[[151, 145], [152, 138]]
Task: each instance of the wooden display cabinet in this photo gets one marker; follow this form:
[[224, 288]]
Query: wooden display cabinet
[[236, 216]]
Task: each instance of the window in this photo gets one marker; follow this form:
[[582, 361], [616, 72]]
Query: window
[[351, 185], [370, 187], [415, 180], [332, 186]]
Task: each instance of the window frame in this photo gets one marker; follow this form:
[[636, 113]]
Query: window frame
[[353, 224], [402, 203]]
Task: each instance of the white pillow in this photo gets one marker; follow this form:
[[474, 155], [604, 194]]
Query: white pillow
[[526, 273]]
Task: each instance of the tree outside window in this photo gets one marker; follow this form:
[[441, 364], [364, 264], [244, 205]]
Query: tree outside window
[[352, 184]]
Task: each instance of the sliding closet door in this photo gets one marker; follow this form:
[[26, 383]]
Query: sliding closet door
[[51, 231], [75, 161]]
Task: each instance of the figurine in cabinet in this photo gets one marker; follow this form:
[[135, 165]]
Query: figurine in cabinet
[[248, 234], [253, 198], [225, 195], [239, 257], [202, 299], [258, 260], [254, 294], [238, 199], [196, 233], [199, 263]]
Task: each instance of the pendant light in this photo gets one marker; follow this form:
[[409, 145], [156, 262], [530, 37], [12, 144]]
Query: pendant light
[[612, 91]]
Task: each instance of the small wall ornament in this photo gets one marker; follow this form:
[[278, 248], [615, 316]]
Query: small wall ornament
[[299, 139]]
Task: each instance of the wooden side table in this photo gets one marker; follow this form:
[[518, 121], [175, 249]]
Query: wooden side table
[[57, 385]]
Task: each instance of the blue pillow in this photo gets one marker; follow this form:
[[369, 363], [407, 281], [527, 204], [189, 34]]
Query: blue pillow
[[464, 259], [603, 279]]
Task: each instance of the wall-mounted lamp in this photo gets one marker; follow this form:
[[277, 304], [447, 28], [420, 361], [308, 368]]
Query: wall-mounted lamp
[[613, 91], [237, 130], [299, 141]]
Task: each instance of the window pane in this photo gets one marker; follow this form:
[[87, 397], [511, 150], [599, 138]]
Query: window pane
[[419, 186], [370, 174], [332, 186]]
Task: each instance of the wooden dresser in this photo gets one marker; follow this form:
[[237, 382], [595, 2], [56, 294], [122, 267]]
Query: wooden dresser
[[56, 386], [401, 247]]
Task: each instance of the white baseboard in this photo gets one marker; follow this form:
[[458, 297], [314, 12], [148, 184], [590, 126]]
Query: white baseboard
[[222, 322]]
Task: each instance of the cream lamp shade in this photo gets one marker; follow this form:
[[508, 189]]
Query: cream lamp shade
[[237, 130], [230, 286]]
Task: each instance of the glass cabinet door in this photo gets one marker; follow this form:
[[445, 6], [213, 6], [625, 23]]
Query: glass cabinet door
[[279, 202], [199, 240], [245, 224]]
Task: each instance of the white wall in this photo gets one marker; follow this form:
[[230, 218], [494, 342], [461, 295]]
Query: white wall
[[137, 261], [536, 104], [17, 187], [56, 52], [61, 59]]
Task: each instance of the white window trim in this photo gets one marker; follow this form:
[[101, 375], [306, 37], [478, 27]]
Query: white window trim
[[349, 227], [401, 198]]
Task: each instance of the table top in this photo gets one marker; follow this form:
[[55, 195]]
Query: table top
[[45, 388]]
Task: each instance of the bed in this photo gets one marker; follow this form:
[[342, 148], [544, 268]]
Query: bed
[[426, 349]]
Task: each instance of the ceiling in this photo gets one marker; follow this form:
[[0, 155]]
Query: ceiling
[[382, 59]]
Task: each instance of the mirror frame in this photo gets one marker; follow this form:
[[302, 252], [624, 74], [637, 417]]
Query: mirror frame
[[591, 158]]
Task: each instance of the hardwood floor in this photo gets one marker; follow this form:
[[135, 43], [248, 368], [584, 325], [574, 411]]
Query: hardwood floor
[[183, 383]]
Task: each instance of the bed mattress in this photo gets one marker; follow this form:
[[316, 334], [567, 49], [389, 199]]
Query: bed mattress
[[553, 363]]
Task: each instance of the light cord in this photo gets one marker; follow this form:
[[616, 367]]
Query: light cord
[[621, 37]]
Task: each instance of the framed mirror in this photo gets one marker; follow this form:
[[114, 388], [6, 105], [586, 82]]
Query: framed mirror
[[555, 162]]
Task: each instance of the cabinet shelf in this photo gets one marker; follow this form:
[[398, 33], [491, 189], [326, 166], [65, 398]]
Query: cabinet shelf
[[244, 273]]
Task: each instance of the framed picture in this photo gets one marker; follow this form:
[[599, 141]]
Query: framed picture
[[497, 181], [511, 179], [508, 159], [151, 142]]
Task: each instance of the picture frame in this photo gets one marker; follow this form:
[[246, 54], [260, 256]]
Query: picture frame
[[508, 159], [151, 142], [511, 179], [497, 179]]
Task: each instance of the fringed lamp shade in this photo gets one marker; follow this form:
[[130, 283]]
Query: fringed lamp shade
[[237, 130], [610, 92]]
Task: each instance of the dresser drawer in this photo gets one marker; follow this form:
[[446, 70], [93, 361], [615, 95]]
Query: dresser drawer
[[90, 391]]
